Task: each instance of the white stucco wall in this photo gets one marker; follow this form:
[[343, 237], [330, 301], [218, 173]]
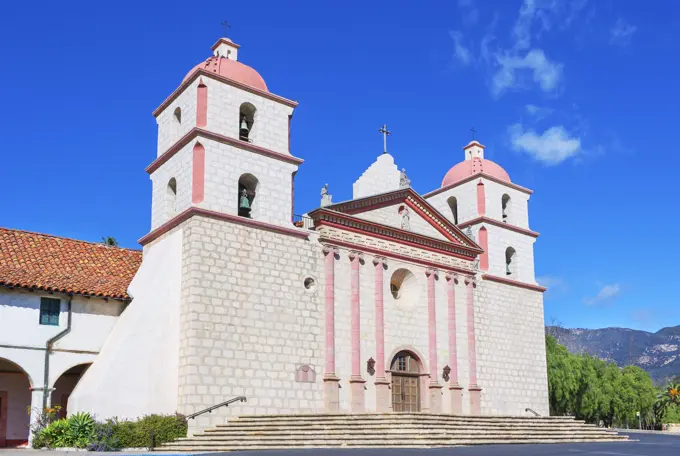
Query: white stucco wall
[[138, 364], [382, 176], [465, 194]]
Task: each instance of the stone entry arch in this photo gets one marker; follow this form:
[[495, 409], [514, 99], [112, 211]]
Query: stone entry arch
[[406, 370]]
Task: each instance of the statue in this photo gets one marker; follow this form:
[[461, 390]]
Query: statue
[[326, 199], [469, 234], [244, 204], [405, 219], [404, 181]]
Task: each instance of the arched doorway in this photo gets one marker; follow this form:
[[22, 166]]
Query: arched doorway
[[64, 386], [15, 400], [405, 370]]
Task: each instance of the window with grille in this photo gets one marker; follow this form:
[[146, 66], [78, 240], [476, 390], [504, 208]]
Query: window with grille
[[49, 311]]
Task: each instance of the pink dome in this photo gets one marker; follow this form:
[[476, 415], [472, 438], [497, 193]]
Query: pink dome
[[231, 69], [474, 166]]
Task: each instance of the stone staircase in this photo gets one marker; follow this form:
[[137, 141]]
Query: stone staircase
[[394, 430]]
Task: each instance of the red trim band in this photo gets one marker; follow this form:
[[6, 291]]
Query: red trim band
[[494, 222], [231, 82], [192, 211], [513, 283], [474, 176], [199, 132]]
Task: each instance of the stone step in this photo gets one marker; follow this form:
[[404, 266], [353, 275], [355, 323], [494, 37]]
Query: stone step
[[399, 416], [403, 420], [393, 429], [190, 446], [345, 416], [378, 426], [411, 437]]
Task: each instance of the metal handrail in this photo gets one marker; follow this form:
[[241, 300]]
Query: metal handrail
[[532, 411], [210, 409]]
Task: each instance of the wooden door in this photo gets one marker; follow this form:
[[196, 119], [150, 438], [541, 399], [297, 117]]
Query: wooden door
[[3, 419], [405, 393]]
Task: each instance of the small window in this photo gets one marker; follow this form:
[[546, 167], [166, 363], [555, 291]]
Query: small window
[[505, 204], [246, 122], [510, 261], [453, 205], [49, 311], [178, 115]]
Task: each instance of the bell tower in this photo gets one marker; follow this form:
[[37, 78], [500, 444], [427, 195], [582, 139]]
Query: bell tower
[[224, 144]]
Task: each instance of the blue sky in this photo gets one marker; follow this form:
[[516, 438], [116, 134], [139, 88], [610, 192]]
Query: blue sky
[[577, 100]]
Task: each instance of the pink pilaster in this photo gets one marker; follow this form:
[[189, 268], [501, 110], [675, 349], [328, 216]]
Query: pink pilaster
[[454, 388], [473, 388], [198, 174], [201, 104], [331, 385], [434, 386], [382, 391], [481, 198], [356, 381], [484, 244]]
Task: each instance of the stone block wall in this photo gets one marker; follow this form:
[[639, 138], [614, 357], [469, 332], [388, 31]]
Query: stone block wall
[[169, 129], [247, 321], [178, 166], [466, 195], [381, 177], [510, 349]]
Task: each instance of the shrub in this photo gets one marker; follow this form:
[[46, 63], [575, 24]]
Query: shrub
[[104, 437], [150, 431], [76, 431], [672, 415]]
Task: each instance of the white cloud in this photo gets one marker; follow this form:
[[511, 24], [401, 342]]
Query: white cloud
[[537, 112], [460, 52], [621, 33], [545, 73], [607, 293], [550, 281], [552, 147]]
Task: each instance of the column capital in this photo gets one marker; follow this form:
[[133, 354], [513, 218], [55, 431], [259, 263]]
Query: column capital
[[452, 276], [379, 261], [431, 271], [471, 281], [355, 255], [327, 249]]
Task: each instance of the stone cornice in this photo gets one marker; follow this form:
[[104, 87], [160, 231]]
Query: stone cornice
[[197, 211], [386, 254], [514, 283], [200, 132], [476, 176], [325, 216], [415, 202], [209, 74], [490, 221]]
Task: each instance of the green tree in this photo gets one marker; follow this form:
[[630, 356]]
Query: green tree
[[111, 241], [563, 377]]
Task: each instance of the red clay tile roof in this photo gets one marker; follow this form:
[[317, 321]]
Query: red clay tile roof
[[44, 262]]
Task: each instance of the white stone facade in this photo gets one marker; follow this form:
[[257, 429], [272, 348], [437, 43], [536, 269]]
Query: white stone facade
[[246, 302]]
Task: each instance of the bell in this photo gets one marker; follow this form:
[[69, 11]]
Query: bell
[[244, 127], [244, 204], [507, 269]]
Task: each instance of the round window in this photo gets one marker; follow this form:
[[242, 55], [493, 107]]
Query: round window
[[309, 283]]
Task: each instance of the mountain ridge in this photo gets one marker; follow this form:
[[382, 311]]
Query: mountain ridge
[[656, 352]]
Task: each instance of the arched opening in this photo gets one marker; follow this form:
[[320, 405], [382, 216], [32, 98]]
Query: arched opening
[[510, 261], [15, 402], [453, 205], [178, 115], [171, 198], [405, 370], [65, 385], [247, 195], [246, 122], [505, 203], [404, 287]]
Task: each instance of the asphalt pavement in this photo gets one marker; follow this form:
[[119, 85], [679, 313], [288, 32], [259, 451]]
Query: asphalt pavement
[[646, 445]]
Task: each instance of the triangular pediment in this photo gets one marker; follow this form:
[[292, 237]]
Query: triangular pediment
[[389, 209]]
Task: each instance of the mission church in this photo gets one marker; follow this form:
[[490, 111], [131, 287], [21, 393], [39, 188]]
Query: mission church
[[392, 301]]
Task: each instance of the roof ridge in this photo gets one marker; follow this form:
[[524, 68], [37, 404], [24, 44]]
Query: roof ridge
[[99, 244]]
